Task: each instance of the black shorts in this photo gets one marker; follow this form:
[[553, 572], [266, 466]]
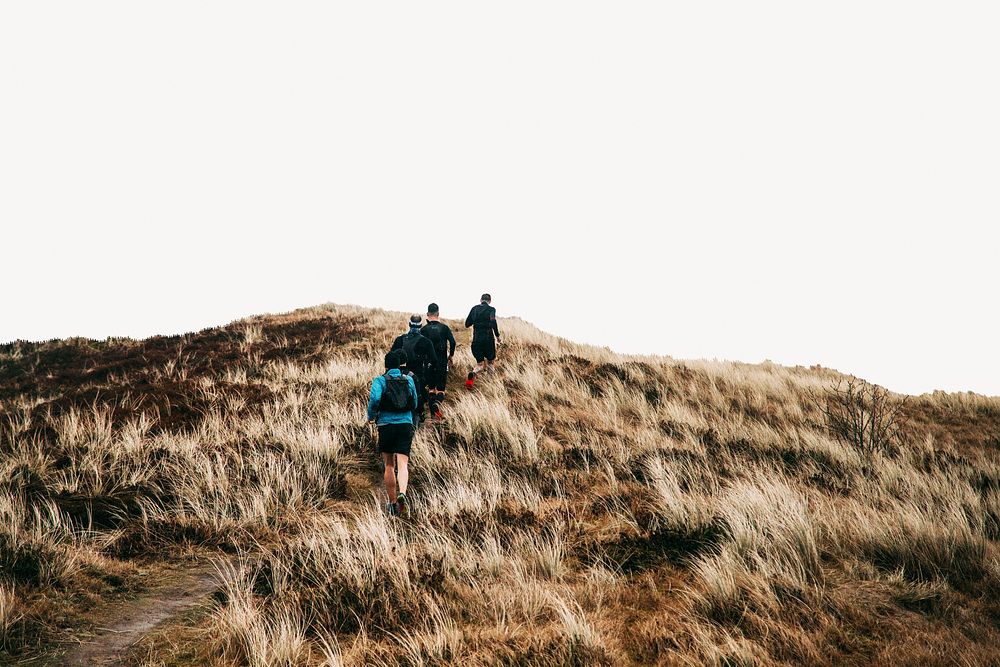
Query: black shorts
[[484, 349], [395, 438]]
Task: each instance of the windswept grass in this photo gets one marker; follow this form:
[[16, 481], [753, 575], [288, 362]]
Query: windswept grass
[[578, 508]]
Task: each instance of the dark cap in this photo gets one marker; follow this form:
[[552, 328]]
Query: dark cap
[[393, 360], [415, 320]]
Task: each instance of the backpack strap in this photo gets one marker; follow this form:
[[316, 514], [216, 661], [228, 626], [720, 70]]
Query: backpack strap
[[385, 387]]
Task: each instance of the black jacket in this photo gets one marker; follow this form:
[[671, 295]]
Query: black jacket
[[483, 320], [421, 358], [441, 336]]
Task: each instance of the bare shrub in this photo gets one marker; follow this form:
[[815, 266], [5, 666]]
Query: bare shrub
[[864, 415]]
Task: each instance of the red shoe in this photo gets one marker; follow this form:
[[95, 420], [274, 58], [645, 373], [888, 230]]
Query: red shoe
[[470, 381], [438, 416]]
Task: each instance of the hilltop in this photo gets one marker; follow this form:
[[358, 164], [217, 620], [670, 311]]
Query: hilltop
[[578, 508]]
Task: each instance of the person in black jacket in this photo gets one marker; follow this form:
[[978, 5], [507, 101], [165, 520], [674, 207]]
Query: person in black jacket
[[485, 336], [421, 360], [438, 333]]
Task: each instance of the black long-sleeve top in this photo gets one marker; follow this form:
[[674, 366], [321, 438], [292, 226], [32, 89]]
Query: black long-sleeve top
[[483, 320], [440, 334], [425, 358]]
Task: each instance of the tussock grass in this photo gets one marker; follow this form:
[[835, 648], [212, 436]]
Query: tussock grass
[[579, 508]]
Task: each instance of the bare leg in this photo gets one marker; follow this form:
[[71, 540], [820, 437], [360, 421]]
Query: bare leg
[[402, 473], [389, 476]]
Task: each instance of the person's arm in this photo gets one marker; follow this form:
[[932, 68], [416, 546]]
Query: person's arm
[[468, 320], [451, 344], [374, 398], [432, 354], [493, 322]]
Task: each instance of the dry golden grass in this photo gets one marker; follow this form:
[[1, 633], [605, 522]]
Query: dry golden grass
[[579, 507]]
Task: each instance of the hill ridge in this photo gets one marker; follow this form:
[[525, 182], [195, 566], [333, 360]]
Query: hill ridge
[[579, 507]]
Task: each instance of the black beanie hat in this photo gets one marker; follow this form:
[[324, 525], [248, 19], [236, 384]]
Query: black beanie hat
[[392, 360], [415, 320]]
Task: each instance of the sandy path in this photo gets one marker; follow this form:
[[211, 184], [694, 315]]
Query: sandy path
[[119, 628], [174, 591]]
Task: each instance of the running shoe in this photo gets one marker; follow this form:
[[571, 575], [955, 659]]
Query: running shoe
[[403, 506], [471, 380], [392, 509]]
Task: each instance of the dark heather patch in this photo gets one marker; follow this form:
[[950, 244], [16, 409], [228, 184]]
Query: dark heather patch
[[926, 602], [551, 401], [648, 371], [532, 349], [577, 366], [961, 561], [657, 545], [575, 456], [21, 563], [149, 539], [25, 482], [170, 404], [125, 377], [514, 386], [653, 395], [977, 429], [671, 428], [94, 510], [670, 545], [985, 482], [833, 484], [105, 510], [604, 373], [638, 464], [61, 365]]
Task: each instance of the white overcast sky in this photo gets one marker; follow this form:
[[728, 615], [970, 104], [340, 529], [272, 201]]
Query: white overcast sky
[[795, 181]]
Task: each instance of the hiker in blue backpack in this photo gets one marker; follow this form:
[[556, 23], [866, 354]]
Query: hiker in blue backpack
[[391, 405]]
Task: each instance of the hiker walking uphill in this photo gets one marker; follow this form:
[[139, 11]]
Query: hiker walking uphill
[[440, 335], [485, 336], [391, 406], [421, 360]]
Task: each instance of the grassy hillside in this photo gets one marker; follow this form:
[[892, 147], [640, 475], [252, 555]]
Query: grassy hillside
[[578, 508]]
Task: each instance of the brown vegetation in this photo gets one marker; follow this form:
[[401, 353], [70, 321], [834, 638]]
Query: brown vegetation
[[579, 507]]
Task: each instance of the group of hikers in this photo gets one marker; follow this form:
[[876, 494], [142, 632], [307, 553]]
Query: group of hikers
[[415, 378]]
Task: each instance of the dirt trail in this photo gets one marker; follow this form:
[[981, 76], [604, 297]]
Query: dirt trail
[[119, 628], [177, 589]]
